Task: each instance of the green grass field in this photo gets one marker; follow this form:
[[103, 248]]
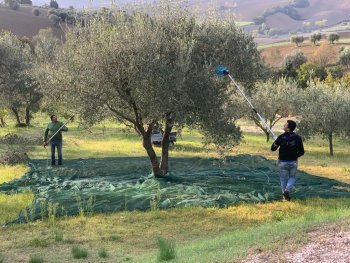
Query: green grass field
[[198, 234]]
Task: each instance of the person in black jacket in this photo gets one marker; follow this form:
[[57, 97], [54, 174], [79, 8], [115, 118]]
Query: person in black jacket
[[291, 148]]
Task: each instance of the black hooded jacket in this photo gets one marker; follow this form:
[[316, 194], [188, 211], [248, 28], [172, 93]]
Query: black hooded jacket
[[291, 146]]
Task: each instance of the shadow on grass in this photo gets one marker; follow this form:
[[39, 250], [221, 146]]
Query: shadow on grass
[[125, 183]]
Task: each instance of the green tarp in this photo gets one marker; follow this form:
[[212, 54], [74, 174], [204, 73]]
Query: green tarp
[[117, 184]]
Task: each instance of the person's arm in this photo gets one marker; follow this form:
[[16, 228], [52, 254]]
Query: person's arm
[[276, 144], [300, 148], [46, 134], [64, 128]]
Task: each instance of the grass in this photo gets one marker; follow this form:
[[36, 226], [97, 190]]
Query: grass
[[210, 233]]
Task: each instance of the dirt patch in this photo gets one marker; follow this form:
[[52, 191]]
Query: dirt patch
[[326, 245]]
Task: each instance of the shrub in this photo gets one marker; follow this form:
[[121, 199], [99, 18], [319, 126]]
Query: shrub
[[166, 250], [36, 12], [102, 253], [55, 20], [78, 252], [36, 259]]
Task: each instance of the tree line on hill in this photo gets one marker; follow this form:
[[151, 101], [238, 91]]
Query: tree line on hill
[[156, 71]]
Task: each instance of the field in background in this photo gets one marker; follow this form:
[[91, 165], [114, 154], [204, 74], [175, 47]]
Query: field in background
[[132, 236]]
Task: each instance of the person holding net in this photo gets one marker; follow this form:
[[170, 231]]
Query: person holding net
[[290, 149], [54, 133]]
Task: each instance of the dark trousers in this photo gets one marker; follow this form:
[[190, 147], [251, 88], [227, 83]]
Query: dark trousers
[[56, 144]]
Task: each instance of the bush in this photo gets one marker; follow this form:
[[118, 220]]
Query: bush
[[292, 63], [36, 259], [78, 252], [102, 253], [166, 250], [36, 12], [344, 57], [55, 19]]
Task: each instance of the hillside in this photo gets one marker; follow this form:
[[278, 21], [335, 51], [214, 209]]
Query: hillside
[[23, 23]]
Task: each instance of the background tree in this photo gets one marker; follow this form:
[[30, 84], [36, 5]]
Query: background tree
[[315, 37], [149, 71], [54, 4], [310, 72], [18, 89], [274, 101], [344, 57], [292, 63], [297, 40], [325, 112], [332, 37]]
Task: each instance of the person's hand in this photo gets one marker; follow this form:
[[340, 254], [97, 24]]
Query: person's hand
[[45, 143]]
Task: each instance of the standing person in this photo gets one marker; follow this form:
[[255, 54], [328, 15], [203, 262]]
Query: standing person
[[291, 148], [56, 141]]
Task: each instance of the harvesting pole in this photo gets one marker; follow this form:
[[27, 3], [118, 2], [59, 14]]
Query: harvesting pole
[[223, 71]]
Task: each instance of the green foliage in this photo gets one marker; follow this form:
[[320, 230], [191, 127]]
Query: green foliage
[[292, 63], [58, 236], [315, 37], [102, 253], [55, 19], [297, 40], [344, 57], [309, 72], [332, 37], [328, 113], [36, 259], [79, 253], [273, 100], [167, 250], [153, 70], [36, 12]]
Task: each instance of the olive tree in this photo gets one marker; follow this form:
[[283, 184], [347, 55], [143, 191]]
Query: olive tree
[[344, 57], [292, 63], [325, 111], [332, 37], [147, 71], [315, 37], [18, 88], [274, 101]]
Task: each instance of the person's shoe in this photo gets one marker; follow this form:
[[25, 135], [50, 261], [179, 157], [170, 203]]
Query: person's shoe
[[286, 196]]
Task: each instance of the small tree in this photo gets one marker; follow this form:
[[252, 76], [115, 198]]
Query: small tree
[[297, 40], [274, 101], [332, 37], [315, 37], [325, 111], [344, 57], [292, 63]]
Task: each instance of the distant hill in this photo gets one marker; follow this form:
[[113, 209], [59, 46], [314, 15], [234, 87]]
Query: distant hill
[[22, 22]]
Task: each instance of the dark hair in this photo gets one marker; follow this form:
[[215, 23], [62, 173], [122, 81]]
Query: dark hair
[[291, 125], [51, 117]]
